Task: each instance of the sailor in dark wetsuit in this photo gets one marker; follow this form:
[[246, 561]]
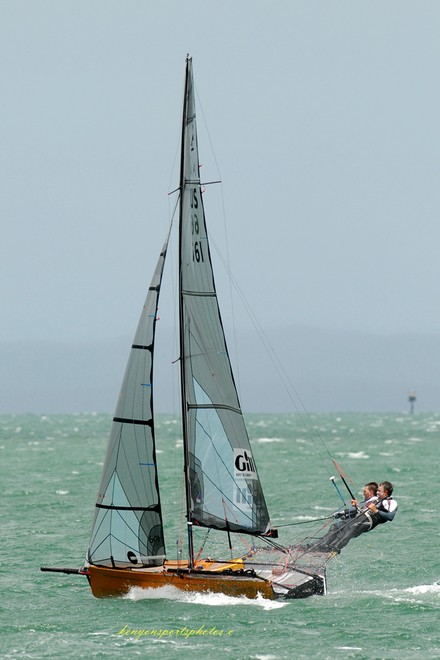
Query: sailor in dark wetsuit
[[362, 517]]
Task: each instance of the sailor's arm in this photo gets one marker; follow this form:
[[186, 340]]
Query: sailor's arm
[[384, 515]]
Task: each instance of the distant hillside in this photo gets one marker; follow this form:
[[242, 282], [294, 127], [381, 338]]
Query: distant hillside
[[350, 371], [330, 370]]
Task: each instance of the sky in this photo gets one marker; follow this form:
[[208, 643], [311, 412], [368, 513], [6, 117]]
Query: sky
[[320, 118]]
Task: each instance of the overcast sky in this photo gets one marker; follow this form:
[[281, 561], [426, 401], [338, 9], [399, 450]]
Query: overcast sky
[[324, 123]]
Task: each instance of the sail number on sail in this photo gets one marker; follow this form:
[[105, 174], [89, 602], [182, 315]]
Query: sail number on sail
[[197, 254]]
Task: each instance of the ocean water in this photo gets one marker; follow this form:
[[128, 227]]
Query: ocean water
[[384, 588]]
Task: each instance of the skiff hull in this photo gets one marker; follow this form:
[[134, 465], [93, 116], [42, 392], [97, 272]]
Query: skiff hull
[[107, 582], [230, 579]]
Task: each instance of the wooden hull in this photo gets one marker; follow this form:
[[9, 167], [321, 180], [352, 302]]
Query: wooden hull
[[105, 582]]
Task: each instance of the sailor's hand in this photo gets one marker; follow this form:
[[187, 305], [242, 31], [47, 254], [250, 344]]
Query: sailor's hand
[[355, 502], [372, 507]]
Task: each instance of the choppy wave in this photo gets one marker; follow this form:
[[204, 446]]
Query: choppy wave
[[196, 598], [268, 440]]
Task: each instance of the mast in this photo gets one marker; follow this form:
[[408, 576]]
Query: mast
[[223, 489], [181, 325]]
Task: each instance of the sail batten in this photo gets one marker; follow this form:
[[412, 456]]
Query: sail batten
[[127, 508], [200, 294], [212, 406], [126, 420]]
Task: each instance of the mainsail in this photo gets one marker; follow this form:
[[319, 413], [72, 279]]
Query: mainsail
[[127, 528], [223, 487]]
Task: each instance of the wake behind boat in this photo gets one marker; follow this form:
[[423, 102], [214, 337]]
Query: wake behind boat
[[222, 486]]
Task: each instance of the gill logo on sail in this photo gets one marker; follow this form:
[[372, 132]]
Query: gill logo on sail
[[244, 466]]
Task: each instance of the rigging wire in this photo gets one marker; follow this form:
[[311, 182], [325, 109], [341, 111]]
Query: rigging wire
[[305, 522], [284, 377], [279, 367]]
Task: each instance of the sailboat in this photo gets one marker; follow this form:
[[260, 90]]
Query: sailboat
[[223, 491]]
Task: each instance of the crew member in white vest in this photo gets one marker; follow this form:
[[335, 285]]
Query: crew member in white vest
[[384, 509]]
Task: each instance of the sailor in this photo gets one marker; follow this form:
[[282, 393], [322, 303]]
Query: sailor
[[379, 509], [385, 508], [370, 495]]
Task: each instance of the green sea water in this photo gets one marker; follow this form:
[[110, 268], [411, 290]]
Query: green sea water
[[383, 596]]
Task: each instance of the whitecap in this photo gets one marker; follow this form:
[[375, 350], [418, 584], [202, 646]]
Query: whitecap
[[409, 594], [358, 455], [268, 440], [305, 518], [353, 454], [425, 589]]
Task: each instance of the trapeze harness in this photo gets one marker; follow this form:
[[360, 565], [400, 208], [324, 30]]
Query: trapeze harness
[[386, 510]]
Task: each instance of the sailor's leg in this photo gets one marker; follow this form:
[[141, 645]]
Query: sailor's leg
[[353, 529]]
